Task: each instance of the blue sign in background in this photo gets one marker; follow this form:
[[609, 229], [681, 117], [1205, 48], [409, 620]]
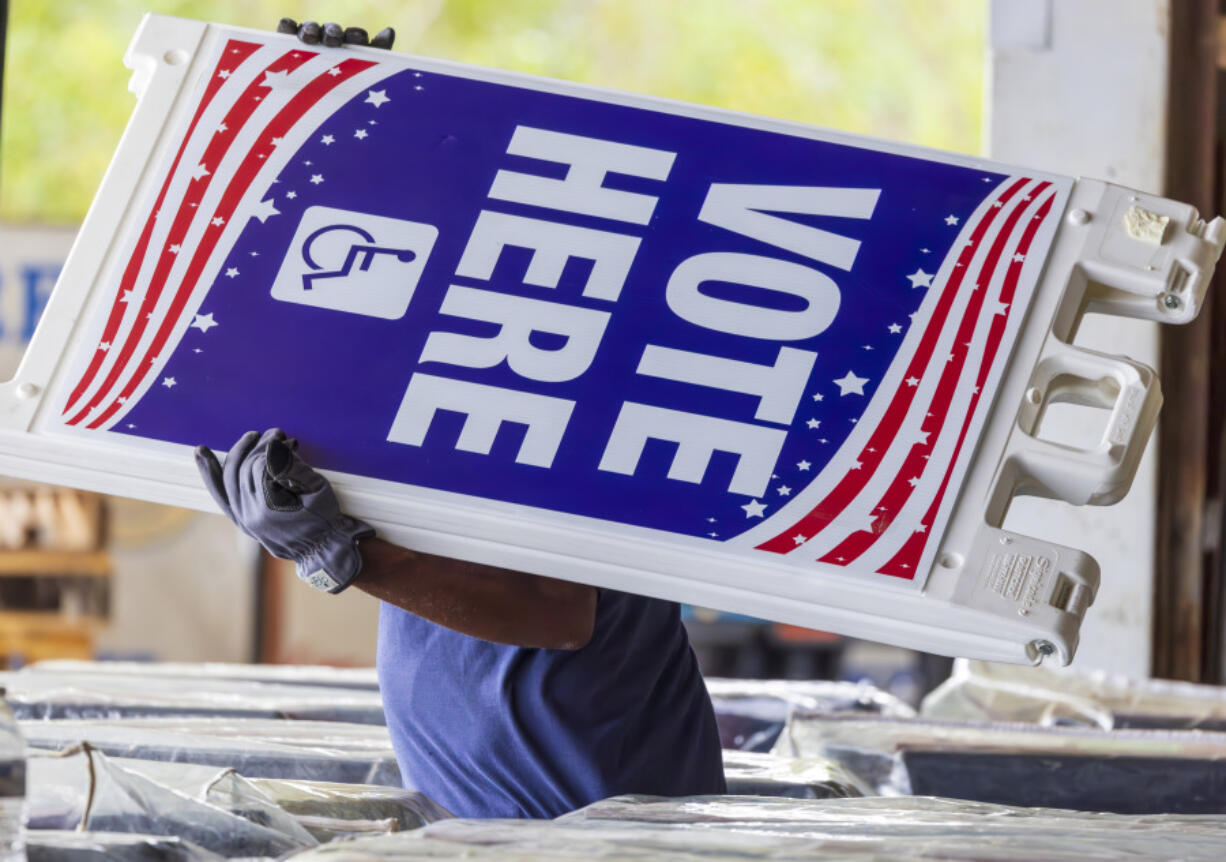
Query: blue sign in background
[[336, 380]]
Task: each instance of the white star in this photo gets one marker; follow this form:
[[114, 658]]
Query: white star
[[223, 74], [803, 465], [200, 171], [913, 481], [376, 97], [265, 209], [122, 400], [169, 382], [921, 437], [783, 490], [860, 523], [987, 179], [868, 347], [713, 535], [291, 195], [204, 322], [175, 249], [710, 520], [951, 219], [817, 396], [1018, 258], [275, 142], [360, 134], [799, 539], [218, 221], [334, 71], [1000, 308], [127, 295], [316, 179], [856, 465], [275, 79], [327, 140], [823, 440], [232, 272], [922, 528], [925, 251], [919, 278], [813, 423], [912, 381], [104, 346], [197, 350], [895, 329], [850, 384], [254, 253], [753, 509]]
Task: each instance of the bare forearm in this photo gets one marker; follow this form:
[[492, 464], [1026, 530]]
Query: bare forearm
[[482, 601]]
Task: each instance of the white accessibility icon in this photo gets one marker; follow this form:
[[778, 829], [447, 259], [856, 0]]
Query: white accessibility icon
[[355, 262]]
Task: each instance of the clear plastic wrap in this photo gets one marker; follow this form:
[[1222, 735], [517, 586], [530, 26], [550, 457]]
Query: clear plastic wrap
[[313, 675], [256, 748], [1128, 771], [753, 773], [81, 788], [331, 810], [84, 790], [54, 695], [752, 713], [747, 828], [60, 846], [13, 782], [986, 691]]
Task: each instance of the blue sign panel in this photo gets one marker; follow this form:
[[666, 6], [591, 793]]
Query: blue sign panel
[[640, 315]]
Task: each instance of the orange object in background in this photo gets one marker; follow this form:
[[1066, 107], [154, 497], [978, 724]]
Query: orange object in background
[[799, 635]]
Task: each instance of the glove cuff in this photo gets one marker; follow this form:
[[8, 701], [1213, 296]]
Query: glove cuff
[[335, 562]]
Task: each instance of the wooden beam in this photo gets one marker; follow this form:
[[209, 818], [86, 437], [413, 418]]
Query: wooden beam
[[51, 563], [1183, 448]]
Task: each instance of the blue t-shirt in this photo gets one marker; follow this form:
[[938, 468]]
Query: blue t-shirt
[[488, 730]]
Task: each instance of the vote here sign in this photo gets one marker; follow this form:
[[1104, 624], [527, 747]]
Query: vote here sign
[[639, 316]]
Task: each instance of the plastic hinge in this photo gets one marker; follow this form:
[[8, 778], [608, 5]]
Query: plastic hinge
[[1119, 252]]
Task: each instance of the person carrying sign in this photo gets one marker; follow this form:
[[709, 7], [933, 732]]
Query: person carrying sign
[[506, 694]]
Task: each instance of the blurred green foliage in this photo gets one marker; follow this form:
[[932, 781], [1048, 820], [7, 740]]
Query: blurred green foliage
[[907, 70]]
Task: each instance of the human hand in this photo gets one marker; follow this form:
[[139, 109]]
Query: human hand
[[287, 506], [334, 35]]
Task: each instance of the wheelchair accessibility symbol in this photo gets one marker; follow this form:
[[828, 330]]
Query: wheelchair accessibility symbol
[[354, 262]]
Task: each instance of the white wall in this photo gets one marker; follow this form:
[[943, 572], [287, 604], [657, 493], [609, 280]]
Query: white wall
[[183, 588], [1080, 87]]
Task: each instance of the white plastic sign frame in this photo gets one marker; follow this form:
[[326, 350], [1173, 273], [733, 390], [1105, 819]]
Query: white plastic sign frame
[[743, 293]]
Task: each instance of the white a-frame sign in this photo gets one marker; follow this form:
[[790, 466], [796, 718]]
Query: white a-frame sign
[[641, 344]]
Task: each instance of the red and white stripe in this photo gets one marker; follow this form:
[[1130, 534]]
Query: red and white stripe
[[875, 503], [257, 106]]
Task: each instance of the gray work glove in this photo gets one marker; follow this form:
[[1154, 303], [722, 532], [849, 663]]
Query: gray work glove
[[334, 35], [283, 503]]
